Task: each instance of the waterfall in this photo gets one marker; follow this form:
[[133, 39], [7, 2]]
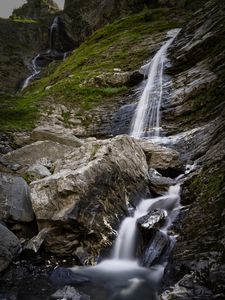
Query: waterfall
[[146, 120], [36, 70], [50, 53], [125, 242], [53, 30]]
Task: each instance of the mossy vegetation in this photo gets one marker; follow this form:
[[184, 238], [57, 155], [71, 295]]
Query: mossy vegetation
[[23, 20], [123, 44]]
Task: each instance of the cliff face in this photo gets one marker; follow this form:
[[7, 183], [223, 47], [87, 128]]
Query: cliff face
[[21, 38], [36, 9], [84, 17], [197, 109], [19, 42]]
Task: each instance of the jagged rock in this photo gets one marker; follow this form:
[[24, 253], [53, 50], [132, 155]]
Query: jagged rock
[[148, 227], [165, 160], [38, 171], [85, 198], [154, 219], [29, 154], [15, 204], [33, 246], [56, 134], [69, 292], [189, 287], [155, 249], [36, 9], [159, 184], [9, 247]]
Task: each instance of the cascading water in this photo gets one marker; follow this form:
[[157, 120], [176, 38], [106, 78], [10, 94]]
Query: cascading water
[[146, 120], [125, 243], [53, 30], [36, 70], [47, 55]]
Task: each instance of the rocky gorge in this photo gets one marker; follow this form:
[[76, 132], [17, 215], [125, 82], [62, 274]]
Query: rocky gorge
[[71, 172]]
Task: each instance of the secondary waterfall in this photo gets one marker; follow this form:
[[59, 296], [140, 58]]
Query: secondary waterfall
[[46, 56], [146, 120], [36, 70], [53, 30]]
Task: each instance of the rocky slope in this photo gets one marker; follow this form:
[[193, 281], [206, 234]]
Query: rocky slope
[[197, 107]]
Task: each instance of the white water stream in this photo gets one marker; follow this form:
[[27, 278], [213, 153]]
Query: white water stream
[[125, 243], [36, 70], [146, 120]]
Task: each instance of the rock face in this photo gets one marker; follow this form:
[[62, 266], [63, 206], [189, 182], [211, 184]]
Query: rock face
[[9, 247], [24, 39], [198, 110], [36, 9], [15, 204], [86, 196], [101, 12]]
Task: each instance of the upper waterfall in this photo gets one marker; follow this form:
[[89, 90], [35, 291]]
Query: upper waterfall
[[146, 120]]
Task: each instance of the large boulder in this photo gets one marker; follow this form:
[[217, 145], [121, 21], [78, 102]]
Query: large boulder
[[15, 204], [85, 198], [37, 151], [163, 159], [9, 247], [56, 134]]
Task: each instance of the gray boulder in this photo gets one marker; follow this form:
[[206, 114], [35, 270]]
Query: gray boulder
[[88, 194], [57, 134], [29, 154], [9, 247], [165, 160], [15, 203]]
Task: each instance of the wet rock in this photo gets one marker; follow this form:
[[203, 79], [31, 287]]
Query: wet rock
[[15, 203], [154, 219], [69, 292], [165, 160], [157, 246], [9, 247], [189, 287], [33, 246], [56, 134], [67, 276], [88, 193], [160, 185]]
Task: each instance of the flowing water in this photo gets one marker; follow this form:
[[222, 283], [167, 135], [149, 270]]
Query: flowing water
[[53, 30], [36, 70], [50, 54], [146, 120]]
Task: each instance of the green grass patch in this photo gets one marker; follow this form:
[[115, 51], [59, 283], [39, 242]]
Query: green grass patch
[[20, 19], [17, 113]]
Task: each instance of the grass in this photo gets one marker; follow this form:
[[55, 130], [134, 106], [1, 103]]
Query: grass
[[123, 44], [20, 19]]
